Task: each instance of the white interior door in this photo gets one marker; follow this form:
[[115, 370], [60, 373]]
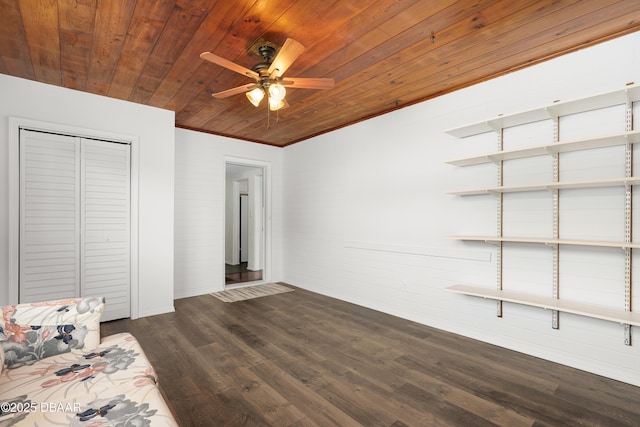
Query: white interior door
[[105, 212], [75, 220], [49, 216]]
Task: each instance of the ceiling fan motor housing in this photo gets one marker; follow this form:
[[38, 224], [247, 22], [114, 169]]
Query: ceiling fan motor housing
[[267, 53]]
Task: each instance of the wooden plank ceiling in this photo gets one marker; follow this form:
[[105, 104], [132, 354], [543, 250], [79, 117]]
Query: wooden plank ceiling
[[383, 54]]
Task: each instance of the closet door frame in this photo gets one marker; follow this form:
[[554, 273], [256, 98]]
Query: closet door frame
[[15, 124]]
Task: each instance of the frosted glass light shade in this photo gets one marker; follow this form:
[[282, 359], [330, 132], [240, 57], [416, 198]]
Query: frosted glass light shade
[[277, 91], [255, 96], [275, 104]]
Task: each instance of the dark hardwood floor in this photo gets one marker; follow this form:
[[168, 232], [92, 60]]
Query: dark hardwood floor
[[302, 359], [236, 274]]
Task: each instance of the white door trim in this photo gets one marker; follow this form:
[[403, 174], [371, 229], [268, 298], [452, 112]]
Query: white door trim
[[15, 124]]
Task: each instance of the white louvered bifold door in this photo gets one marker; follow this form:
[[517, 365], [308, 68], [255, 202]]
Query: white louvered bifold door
[[75, 220], [49, 216], [105, 212]]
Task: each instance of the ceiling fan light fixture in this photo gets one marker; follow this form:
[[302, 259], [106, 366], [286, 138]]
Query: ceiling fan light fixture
[[268, 75], [277, 92], [275, 104], [255, 96]]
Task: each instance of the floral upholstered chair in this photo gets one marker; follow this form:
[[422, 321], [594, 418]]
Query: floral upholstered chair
[[56, 370]]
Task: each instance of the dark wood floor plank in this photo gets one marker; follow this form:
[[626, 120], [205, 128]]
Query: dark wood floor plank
[[302, 359], [318, 410]]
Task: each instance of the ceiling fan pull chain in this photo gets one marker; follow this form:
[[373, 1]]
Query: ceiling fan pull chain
[[268, 116]]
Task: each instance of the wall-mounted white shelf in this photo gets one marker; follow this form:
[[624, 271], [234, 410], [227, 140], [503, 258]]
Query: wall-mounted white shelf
[[548, 303], [551, 186], [557, 109], [613, 140], [625, 96], [549, 242]]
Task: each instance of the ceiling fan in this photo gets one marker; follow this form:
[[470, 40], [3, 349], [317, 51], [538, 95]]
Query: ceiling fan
[[268, 75]]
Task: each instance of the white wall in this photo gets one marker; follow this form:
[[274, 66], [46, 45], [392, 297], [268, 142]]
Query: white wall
[[366, 215], [200, 209], [154, 129]]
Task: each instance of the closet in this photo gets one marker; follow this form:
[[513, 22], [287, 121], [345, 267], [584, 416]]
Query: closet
[[74, 237]]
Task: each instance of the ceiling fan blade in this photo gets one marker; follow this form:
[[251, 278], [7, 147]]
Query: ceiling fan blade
[[236, 90], [308, 83], [288, 53], [208, 56]]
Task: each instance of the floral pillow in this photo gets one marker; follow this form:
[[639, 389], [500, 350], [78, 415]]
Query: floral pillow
[[32, 331], [24, 345]]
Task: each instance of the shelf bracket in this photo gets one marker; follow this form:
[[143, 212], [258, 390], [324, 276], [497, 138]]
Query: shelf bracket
[[494, 159], [555, 194], [552, 188], [550, 112], [628, 217], [496, 128], [493, 242], [627, 334], [499, 207]]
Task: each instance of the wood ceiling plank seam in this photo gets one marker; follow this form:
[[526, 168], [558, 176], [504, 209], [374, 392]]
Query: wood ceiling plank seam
[[496, 28], [41, 32], [299, 21], [13, 42], [148, 20], [187, 15], [415, 51], [457, 85], [498, 32], [76, 38], [209, 105], [496, 11], [539, 23], [555, 48], [112, 21], [417, 33], [212, 111], [419, 76], [234, 122], [199, 112], [370, 44], [3, 67], [553, 52], [468, 53]]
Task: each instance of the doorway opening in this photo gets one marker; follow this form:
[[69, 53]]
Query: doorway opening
[[245, 237]]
